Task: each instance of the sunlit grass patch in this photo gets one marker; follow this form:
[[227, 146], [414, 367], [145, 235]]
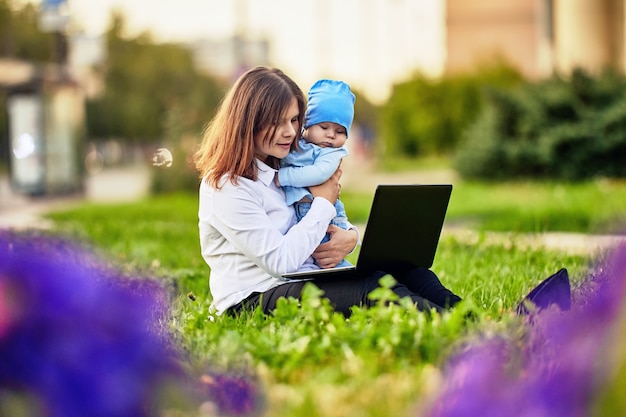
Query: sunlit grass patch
[[525, 207], [588, 207]]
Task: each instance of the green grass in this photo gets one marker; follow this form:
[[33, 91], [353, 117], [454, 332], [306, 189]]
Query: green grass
[[310, 361], [525, 207], [588, 207], [161, 229]]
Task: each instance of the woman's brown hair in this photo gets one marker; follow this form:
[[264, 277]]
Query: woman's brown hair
[[257, 100]]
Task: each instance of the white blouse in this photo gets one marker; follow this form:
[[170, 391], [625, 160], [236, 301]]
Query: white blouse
[[249, 236]]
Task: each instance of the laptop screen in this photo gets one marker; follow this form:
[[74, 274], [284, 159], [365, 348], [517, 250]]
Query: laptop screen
[[403, 227]]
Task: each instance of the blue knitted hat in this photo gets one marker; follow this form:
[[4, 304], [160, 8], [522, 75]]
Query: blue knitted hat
[[330, 101]]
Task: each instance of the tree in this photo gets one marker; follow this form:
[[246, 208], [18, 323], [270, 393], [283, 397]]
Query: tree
[[20, 36], [143, 81], [567, 127], [427, 116]]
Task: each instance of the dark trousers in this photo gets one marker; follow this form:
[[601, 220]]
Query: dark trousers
[[420, 284]]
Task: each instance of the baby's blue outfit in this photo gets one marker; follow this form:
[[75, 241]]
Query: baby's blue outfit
[[311, 165]]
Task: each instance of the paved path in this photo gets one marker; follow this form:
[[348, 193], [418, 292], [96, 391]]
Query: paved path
[[569, 243], [130, 183]]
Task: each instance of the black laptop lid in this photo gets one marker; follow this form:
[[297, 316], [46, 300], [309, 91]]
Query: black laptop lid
[[404, 226]]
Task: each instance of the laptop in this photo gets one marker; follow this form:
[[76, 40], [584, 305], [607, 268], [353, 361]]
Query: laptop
[[403, 227]]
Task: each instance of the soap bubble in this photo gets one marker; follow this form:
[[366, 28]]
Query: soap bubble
[[162, 158], [24, 146]]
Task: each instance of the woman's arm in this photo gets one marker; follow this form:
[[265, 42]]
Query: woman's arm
[[342, 242], [255, 220]]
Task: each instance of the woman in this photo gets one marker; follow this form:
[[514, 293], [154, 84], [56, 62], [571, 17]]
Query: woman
[[249, 236]]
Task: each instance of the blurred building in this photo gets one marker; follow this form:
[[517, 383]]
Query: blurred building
[[45, 114], [87, 52], [377, 43], [45, 127], [589, 33], [226, 58], [536, 36]]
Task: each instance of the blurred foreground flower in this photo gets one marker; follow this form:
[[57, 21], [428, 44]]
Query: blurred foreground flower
[[230, 394], [76, 338], [561, 367]]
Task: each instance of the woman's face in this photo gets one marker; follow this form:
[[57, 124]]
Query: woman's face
[[279, 145]]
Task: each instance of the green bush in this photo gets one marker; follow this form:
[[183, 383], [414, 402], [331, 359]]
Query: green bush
[[568, 128], [427, 117], [181, 176], [182, 132]]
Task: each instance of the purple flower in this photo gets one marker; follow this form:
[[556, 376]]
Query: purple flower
[[233, 395], [76, 337], [554, 371]]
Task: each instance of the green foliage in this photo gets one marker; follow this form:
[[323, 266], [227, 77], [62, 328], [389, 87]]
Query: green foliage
[[366, 114], [183, 127], [304, 351], [357, 205], [153, 224], [593, 206], [425, 116], [584, 207], [571, 129], [20, 37], [153, 93], [182, 175], [145, 82]]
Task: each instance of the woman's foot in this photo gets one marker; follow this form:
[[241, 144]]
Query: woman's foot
[[554, 290]]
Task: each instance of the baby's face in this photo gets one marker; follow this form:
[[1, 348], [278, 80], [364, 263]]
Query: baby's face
[[326, 135]]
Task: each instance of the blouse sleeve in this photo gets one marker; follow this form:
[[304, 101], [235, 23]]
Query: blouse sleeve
[[260, 229], [325, 165]]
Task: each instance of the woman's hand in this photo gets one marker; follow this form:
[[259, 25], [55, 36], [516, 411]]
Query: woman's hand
[[330, 189], [341, 243]]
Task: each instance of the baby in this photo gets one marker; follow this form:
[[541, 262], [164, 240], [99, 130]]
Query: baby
[[327, 122]]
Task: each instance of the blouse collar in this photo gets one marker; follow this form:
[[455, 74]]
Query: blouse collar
[[266, 173]]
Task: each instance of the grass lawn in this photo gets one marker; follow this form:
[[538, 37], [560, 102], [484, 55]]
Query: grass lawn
[[308, 361], [526, 207]]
